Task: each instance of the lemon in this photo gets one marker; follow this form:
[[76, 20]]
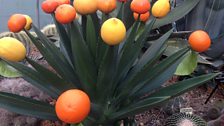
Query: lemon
[[113, 31], [12, 49], [161, 8], [29, 21]]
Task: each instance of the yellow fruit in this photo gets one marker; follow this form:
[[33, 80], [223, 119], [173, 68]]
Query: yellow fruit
[[12, 49], [29, 21], [85, 7], [160, 8], [113, 31]]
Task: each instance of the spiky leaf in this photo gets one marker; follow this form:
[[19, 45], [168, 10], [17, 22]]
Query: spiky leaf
[[84, 62], [27, 106], [161, 95]]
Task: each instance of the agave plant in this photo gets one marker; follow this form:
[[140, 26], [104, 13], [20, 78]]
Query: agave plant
[[119, 79]]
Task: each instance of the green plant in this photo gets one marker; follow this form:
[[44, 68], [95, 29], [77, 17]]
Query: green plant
[[182, 119], [119, 81]]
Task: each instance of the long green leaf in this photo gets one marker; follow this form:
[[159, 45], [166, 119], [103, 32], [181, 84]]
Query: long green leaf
[[161, 96], [176, 13], [53, 78], [160, 73], [137, 108], [147, 61], [132, 50], [183, 86], [27, 106], [165, 69], [150, 53], [121, 12], [36, 79], [84, 61], [106, 73], [64, 39], [91, 37], [53, 58]]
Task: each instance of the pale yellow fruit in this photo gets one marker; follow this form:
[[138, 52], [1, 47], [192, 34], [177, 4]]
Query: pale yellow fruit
[[12, 49], [29, 21], [113, 31], [85, 7], [160, 8]]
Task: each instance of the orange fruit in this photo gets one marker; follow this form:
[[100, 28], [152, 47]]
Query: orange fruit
[[49, 6], [12, 49], [65, 13], [106, 6], [199, 41], [161, 8], [113, 31], [140, 6], [143, 17], [72, 106], [85, 7], [123, 1], [16, 22], [60, 2]]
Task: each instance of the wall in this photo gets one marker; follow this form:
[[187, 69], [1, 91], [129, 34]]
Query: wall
[[9, 7]]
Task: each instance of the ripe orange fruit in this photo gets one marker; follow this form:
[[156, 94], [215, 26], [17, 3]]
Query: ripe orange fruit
[[199, 41], [65, 13], [49, 6], [106, 6], [143, 17], [140, 6], [60, 2], [113, 31], [29, 21], [72, 106], [12, 49], [16, 22], [85, 7], [123, 1], [161, 8]]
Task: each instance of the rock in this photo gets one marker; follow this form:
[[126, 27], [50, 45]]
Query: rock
[[217, 122], [20, 87]]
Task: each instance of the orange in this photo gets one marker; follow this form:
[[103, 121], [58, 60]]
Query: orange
[[106, 6], [65, 13], [16, 22], [113, 31], [72, 106], [161, 8], [12, 49], [123, 1], [49, 6], [85, 7], [60, 2], [199, 41], [140, 6], [143, 17]]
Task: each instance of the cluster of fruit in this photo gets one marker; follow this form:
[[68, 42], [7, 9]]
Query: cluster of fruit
[[11, 48], [113, 32]]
